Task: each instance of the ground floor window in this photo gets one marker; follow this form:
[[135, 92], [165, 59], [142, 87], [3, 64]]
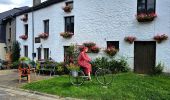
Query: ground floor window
[[114, 44], [25, 50], [46, 53], [39, 53]]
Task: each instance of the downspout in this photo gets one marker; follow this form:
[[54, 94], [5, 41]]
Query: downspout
[[33, 33]]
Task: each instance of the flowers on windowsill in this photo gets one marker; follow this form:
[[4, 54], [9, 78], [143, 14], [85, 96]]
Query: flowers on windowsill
[[24, 37], [111, 51], [67, 9], [143, 17], [130, 39], [160, 38], [43, 35], [89, 44], [92, 48], [66, 34], [95, 49], [24, 18]]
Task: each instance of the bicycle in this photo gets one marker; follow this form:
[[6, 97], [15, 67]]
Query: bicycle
[[103, 76]]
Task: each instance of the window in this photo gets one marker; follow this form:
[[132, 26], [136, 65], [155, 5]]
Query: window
[[26, 51], [26, 29], [146, 6], [37, 40], [70, 3], [69, 24], [39, 53], [113, 44], [46, 26], [46, 53]]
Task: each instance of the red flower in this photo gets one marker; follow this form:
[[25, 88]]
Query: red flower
[[142, 17], [43, 35], [160, 38], [67, 8], [130, 39], [111, 51], [24, 37], [95, 49]]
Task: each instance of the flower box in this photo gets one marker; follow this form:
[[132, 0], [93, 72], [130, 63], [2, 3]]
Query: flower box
[[24, 37], [89, 44], [111, 51], [130, 39], [67, 9], [24, 18], [160, 38], [43, 35], [95, 49], [66, 34], [143, 17]]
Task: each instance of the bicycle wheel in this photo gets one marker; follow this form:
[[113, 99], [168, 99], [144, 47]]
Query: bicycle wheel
[[104, 76], [77, 77]]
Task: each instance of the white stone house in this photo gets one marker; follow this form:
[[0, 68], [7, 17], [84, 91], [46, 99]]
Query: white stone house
[[99, 21]]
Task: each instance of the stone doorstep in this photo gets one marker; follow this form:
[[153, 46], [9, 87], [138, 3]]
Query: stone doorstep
[[37, 95]]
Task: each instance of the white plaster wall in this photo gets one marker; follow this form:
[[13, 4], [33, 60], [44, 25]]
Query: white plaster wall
[[20, 31], [2, 51], [101, 21]]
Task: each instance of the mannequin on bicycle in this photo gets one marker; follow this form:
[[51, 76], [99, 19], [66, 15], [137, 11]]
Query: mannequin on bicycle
[[84, 62]]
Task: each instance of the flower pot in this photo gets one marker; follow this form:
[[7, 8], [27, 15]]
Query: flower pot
[[74, 73]]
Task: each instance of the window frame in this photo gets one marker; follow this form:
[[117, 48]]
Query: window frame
[[46, 26], [46, 53], [146, 6], [26, 29], [113, 42], [65, 20], [26, 50]]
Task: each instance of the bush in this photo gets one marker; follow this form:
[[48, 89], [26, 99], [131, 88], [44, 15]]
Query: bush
[[15, 65], [158, 69], [60, 68], [114, 65]]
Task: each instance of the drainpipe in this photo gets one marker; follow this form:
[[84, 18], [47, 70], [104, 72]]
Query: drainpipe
[[33, 33]]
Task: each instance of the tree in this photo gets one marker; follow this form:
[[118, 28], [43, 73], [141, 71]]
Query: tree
[[16, 51]]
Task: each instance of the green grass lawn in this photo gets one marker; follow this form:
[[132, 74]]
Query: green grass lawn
[[125, 86]]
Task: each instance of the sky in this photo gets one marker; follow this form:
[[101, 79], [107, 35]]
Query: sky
[[10, 4]]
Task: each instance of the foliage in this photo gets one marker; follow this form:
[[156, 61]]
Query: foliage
[[92, 48], [160, 38], [126, 86], [111, 51], [60, 68], [73, 67], [115, 65], [158, 69], [15, 51], [15, 65], [66, 34]]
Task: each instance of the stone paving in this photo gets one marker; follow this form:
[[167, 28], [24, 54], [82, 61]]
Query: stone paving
[[9, 87]]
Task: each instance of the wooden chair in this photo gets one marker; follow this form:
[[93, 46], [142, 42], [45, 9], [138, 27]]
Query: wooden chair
[[24, 71]]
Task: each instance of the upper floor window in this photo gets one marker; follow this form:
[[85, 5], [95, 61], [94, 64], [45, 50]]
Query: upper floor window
[[46, 26], [146, 6], [69, 24], [70, 3], [26, 29]]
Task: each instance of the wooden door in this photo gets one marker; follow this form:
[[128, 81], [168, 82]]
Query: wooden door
[[144, 56]]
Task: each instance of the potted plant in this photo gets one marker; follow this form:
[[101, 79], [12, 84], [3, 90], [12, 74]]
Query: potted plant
[[67, 9], [111, 51], [95, 49], [66, 34], [89, 44], [43, 35], [143, 17], [130, 39], [73, 69], [160, 38], [24, 37]]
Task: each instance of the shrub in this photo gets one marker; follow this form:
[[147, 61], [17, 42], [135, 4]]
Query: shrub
[[158, 69], [114, 65], [60, 68], [15, 65], [15, 51]]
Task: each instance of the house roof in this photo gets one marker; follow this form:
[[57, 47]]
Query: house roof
[[11, 12], [40, 6]]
